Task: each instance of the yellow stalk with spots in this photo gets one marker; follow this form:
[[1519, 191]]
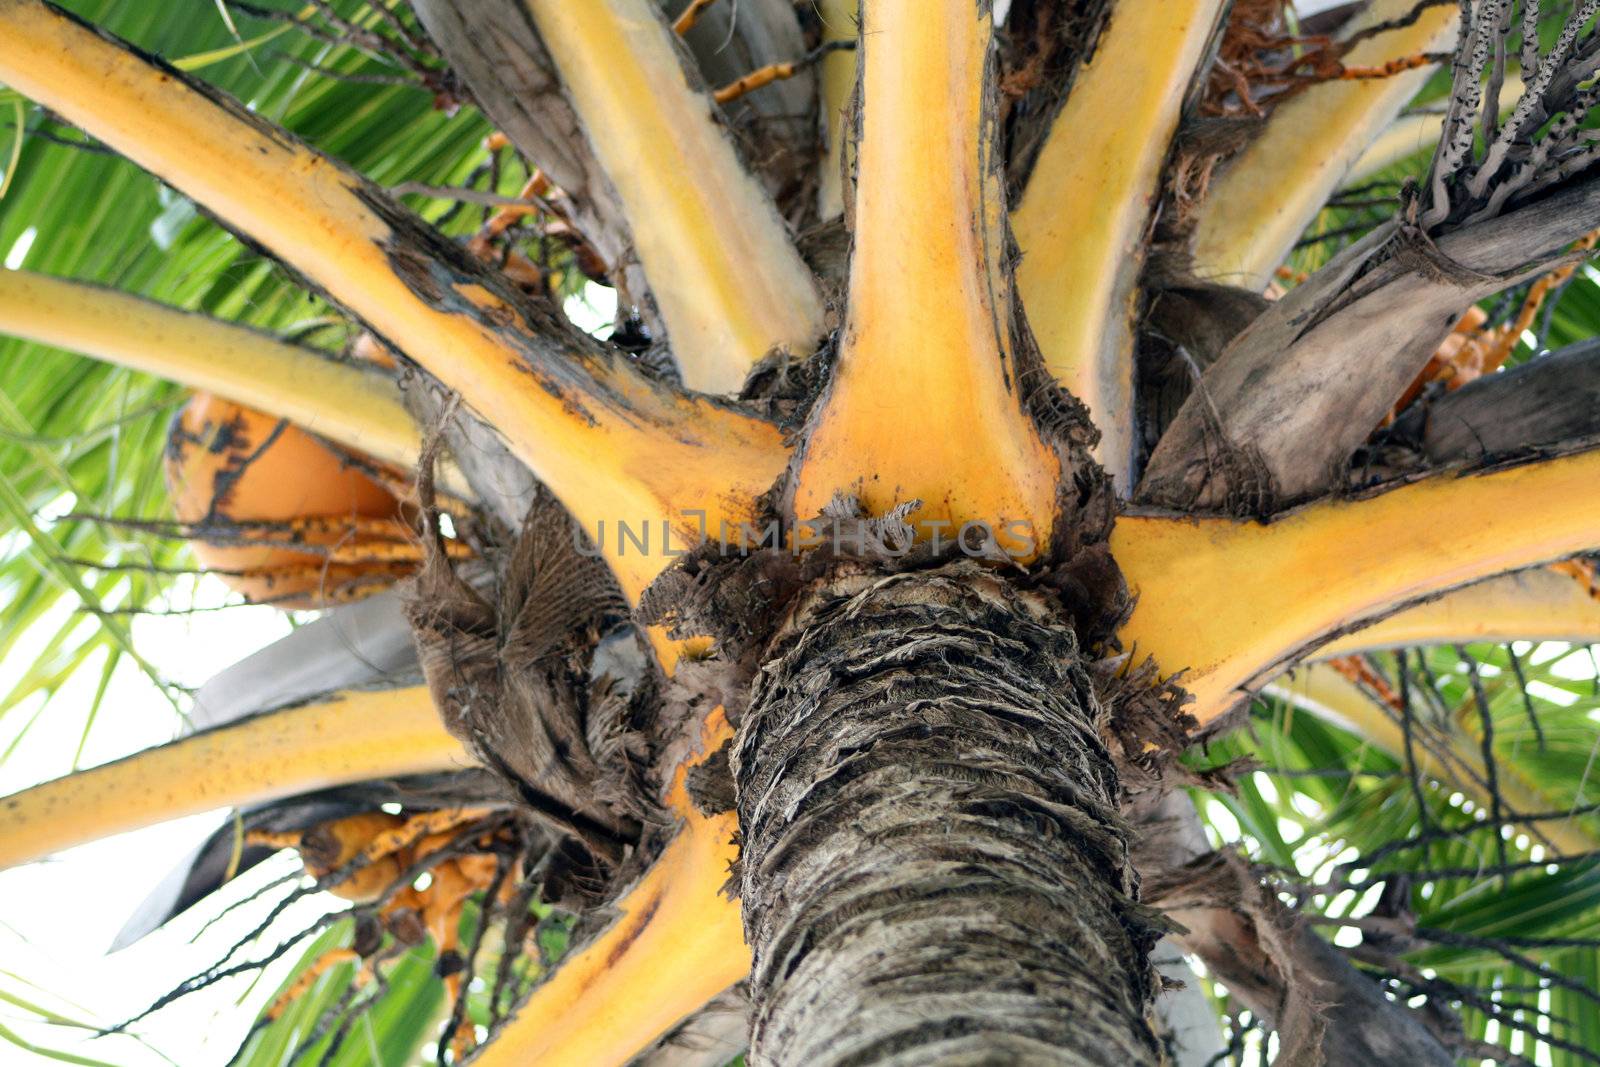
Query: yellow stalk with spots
[[923, 403], [351, 736], [1261, 203], [1085, 213], [610, 443], [348, 404], [728, 280]]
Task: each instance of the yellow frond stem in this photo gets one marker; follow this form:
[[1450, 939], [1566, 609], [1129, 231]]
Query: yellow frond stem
[[1083, 217], [1207, 589], [352, 736], [923, 404], [1219, 579], [1231, 602], [677, 942], [724, 272], [1532, 605], [1268, 194], [350, 405], [836, 82], [611, 444], [1454, 758]]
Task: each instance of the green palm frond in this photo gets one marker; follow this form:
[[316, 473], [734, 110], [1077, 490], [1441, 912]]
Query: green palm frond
[[336, 1023], [27, 1003], [79, 436], [1507, 948]]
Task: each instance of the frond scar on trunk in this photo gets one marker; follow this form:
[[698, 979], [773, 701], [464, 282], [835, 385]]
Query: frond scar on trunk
[[924, 778], [741, 598], [710, 782]]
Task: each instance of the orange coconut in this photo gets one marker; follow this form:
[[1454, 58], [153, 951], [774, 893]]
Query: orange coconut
[[227, 464]]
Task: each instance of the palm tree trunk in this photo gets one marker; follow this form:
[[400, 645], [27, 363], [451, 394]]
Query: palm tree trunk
[[933, 869]]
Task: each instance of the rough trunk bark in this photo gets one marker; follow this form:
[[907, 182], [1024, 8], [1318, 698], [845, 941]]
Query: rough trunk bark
[[933, 869]]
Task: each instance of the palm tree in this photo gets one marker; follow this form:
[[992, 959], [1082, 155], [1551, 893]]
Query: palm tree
[[852, 627]]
